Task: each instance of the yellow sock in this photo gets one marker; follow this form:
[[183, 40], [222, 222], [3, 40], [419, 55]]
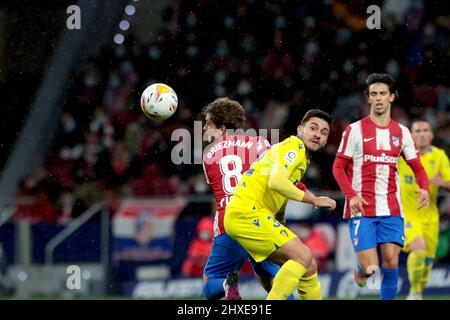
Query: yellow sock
[[416, 266], [309, 288], [425, 274], [286, 280]]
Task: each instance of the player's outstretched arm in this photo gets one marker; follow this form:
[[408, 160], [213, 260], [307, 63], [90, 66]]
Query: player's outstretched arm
[[322, 202], [301, 186], [280, 216], [330, 205], [279, 182]]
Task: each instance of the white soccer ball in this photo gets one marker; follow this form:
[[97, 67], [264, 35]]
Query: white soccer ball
[[159, 101]]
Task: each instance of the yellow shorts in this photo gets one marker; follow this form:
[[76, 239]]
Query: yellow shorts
[[426, 226], [257, 231]]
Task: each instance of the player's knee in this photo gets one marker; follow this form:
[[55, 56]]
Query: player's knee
[[304, 256], [418, 244], [390, 261], [308, 256], [312, 269]]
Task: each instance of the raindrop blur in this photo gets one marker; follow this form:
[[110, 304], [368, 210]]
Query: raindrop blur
[[118, 38], [124, 25], [130, 10], [22, 276]]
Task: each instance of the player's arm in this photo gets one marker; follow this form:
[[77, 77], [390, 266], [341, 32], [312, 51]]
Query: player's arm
[[302, 186], [280, 216], [341, 162], [410, 154], [279, 182], [442, 179], [340, 165]]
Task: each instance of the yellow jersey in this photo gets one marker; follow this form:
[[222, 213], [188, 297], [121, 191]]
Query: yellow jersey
[[435, 161], [253, 193]]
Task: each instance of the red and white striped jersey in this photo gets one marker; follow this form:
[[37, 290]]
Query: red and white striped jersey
[[224, 162], [374, 152]]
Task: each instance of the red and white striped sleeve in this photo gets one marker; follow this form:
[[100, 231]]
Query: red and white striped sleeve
[[409, 150], [343, 159], [348, 143]]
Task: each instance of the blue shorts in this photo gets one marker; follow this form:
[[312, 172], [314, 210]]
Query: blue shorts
[[227, 256], [368, 232]]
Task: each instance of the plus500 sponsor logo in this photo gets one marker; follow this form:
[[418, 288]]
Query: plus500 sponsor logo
[[383, 158]]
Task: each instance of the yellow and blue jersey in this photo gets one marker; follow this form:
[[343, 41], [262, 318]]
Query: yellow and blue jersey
[[253, 193], [435, 161]]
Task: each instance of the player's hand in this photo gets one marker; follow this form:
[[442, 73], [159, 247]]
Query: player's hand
[[424, 199], [356, 205], [324, 202]]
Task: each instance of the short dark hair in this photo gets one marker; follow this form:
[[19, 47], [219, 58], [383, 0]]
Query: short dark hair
[[318, 114], [226, 112], [420, 120], [380, 78]]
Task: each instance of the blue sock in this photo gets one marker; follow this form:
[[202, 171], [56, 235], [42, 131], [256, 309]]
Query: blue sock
[[213, 289], [389, 284]]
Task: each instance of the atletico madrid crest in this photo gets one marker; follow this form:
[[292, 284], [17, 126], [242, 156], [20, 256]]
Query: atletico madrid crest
[[395, 140]]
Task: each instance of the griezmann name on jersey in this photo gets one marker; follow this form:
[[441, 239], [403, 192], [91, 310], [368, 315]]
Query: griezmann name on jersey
[[253, 193], [224, 162], [374, 151]]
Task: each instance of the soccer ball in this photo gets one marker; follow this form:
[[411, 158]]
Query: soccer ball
[[159, 101]]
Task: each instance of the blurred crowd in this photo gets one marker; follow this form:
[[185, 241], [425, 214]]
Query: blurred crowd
[[277, 57]]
